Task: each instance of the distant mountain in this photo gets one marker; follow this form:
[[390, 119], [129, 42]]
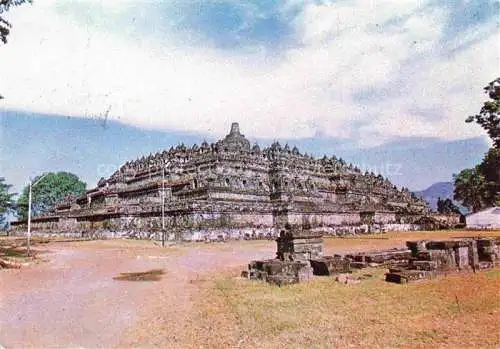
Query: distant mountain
[[443, 190]]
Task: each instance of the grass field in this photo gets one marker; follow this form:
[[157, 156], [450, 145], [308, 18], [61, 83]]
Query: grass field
[[456, 311], [13, 252]]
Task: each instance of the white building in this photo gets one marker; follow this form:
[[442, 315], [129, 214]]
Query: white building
[[485, 219]]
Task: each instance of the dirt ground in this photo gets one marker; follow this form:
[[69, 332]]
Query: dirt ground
[[75, 298]]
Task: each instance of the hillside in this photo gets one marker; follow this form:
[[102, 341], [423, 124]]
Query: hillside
[[443, 190]]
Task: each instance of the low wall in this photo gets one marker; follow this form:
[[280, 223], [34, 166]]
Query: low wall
[[198, 226], [214, 234]]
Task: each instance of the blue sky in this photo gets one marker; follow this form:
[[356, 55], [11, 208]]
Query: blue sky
[[371, 81]]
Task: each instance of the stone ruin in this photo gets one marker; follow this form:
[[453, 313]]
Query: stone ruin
[[395, 256], [299, 245], [231, 189], [432, 258], [288, 267], [299, 256]]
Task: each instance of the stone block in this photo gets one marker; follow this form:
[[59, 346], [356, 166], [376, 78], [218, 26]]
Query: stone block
[[358, 265], [391, 256], [274, 267], [406, 276], [330, 265], [462, 257], [257, 274], [485, 265], [467, 254], [423, 255], [424, 265], [445, 258], [487, 250], [416, 246], [282, 280], [347, 279], [397, 278], [305, 273], [280, 272]]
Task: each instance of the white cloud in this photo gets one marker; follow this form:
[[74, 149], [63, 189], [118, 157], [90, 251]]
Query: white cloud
[[53, 64]]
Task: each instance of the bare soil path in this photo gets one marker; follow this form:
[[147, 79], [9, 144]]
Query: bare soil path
[[73, 300]]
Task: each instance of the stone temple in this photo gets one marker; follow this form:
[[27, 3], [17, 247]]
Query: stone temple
[[231, 189]]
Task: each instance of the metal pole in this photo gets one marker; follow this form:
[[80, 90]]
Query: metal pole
[[163, 205], [29, 222], [29, 211]]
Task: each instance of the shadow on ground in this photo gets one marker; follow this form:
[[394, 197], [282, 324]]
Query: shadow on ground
[[150, 275]]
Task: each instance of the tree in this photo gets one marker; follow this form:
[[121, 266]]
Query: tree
[[447, 206], [5, 26], [490, 170], [489, 115], [48, 192], [469, 189], [7, 203], [480, 187]]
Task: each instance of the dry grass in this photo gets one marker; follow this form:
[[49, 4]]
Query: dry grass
[[455, 311], [13, 250]]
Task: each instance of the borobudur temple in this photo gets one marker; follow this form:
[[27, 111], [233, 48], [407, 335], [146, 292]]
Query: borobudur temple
[[231, 189]]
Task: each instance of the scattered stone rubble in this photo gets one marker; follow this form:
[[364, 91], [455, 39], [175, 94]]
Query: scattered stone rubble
[[329, 265], [299, 256], [279, 272], [291, 265], [348, 279], [379, 258], [431, 258]]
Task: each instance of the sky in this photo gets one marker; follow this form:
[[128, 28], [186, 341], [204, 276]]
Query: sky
[[89, 85]]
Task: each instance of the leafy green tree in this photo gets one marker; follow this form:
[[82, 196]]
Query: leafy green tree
[[480, 187], [489, 115], [7, 203], [490, 170], [5, 26], [469, 189], [48, 192], [447, 206]]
